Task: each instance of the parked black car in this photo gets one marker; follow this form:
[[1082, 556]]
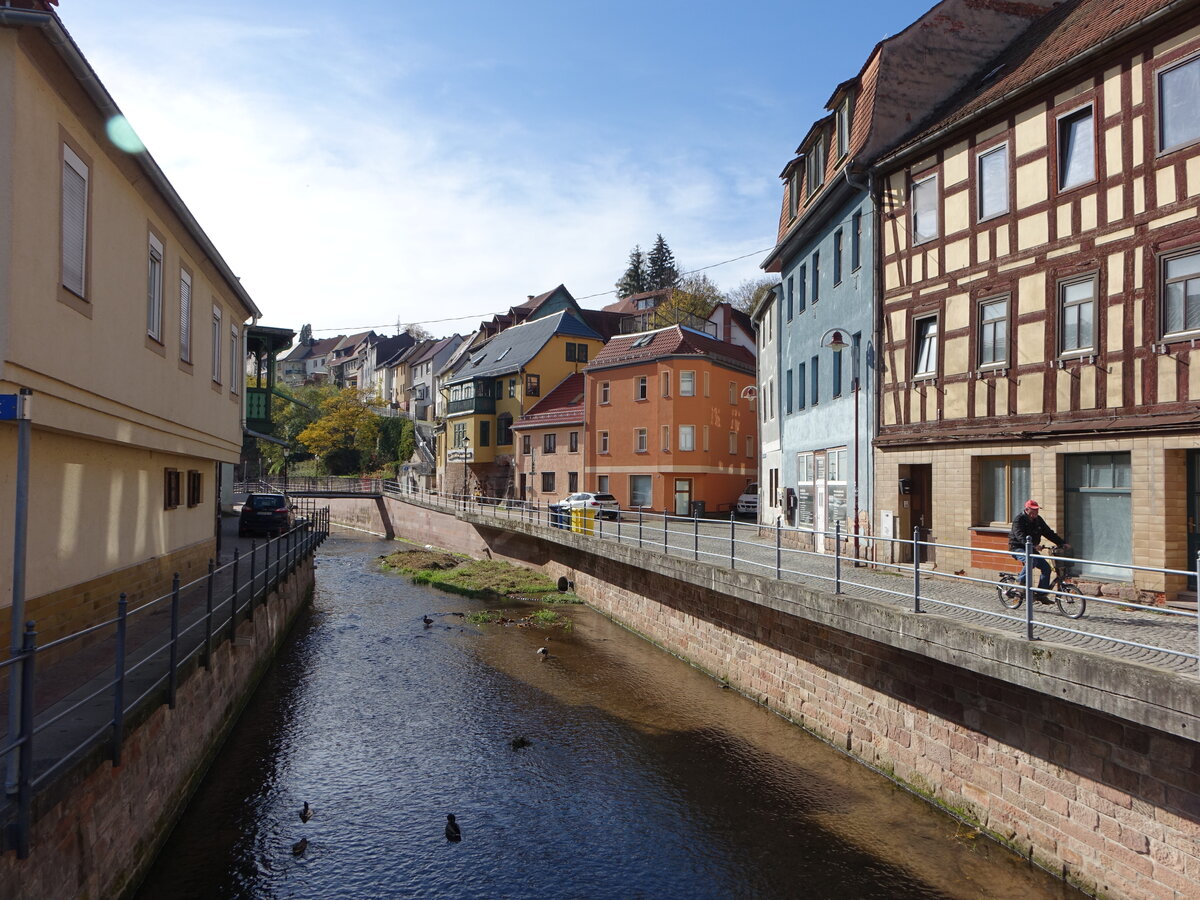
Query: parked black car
[[265, 514]]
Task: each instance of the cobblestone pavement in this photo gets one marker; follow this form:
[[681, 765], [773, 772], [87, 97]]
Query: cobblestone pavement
[[1166, 639]]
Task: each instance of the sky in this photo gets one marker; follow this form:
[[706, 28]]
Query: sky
[[364, 164]]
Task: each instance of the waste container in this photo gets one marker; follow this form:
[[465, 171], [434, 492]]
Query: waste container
[[557, 516], [587, 520], [697, 509]]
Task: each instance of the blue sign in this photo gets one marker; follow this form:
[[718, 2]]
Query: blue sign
[[8, 407]]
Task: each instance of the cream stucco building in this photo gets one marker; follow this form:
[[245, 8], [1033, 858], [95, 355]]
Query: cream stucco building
[[126, 323]]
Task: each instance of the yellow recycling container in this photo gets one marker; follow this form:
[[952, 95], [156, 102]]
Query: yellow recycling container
[[587, 520]]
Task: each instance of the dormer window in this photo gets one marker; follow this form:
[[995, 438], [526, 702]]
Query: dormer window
[[814, 165], [793, 191], [843, 127]]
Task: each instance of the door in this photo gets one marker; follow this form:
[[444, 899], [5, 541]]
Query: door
[[683, 496], [1193, 514], [819, 518], [1100, 513], [523, 486], [922, 506]]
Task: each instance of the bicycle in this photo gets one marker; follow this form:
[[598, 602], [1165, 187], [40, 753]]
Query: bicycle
[[1071, 601]]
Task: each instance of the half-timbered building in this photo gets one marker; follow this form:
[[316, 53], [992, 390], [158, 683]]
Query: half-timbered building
[[1041, 302]]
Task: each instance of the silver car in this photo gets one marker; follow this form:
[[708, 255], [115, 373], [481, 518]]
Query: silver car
[[605, 505]]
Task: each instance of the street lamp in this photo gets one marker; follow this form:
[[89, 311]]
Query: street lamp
[[466, 450], [836, 339]]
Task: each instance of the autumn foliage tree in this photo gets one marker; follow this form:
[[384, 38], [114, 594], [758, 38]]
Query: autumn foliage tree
[[345, 436]]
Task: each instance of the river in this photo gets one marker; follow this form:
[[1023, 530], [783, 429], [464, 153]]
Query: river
[[642, 777]]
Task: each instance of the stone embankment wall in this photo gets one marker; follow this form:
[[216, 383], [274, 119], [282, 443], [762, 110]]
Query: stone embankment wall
[[1083, 763], [98, 829]]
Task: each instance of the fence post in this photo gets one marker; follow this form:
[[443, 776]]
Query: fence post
[[916, 551], [173, 664], [778, 549], [666, 537], [732, 538], [253, 574], [25, 754], [696, 536], [639, 527], [837, 556], [119, 681], [233, 598], [208, 601], [1028, 591]]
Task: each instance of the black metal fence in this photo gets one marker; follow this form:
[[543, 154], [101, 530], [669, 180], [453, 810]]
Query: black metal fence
[[75, 694]]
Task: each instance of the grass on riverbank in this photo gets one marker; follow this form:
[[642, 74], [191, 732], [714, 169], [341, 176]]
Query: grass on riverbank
[[485, 579]]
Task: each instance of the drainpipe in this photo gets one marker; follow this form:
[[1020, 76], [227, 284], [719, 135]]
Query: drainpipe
[[876, 323]]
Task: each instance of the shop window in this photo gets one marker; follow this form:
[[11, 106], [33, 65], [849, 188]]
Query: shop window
[[1003, 488]]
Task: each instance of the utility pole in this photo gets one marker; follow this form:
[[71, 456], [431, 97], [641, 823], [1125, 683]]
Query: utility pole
[[17, 407]]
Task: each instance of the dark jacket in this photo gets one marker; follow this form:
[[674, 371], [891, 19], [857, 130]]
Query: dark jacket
[[1032, 527]]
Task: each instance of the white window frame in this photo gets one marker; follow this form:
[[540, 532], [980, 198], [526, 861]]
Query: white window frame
[[687, 383], [665, 433], [604, 393], [641, 440], [154, 287], [842, 117], [216, 344], [687, 438], [74, 225], [925, 346], [641, 388], [814, 165], [1165, 284], [1063, 307], [991, 153], [1063, 124], [992, 332], [603, 448], [1163, 146], [919, 187]]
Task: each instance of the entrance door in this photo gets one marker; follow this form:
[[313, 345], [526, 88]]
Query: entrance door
[[819, 509], [683, 496], [1193, 514], [523, 486], [922, 505]]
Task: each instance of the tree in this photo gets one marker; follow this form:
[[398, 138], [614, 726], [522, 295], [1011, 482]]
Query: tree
[[635, 278], [750, 292], [305, 335], [395, 444], [288, 419], [346, 434], [418, 331], [693, 299], [660, 264]]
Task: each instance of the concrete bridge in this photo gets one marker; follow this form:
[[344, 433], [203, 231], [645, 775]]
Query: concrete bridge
[[1077, 750]]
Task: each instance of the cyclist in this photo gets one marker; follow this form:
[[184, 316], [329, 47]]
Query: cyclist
[[1030, 525]]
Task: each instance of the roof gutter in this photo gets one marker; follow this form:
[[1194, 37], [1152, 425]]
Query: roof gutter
[[90, 82], [936, 137]]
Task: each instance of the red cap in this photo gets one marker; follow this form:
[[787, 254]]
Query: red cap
[[1031, 504]]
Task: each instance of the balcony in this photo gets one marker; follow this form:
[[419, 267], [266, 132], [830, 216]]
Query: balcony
[[478, 405]]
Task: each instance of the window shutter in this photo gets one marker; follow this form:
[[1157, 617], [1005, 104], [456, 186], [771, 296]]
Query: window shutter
[[185, 317], [74, 227]]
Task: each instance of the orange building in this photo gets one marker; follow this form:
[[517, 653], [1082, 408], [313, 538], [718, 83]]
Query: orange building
[[667, 421]]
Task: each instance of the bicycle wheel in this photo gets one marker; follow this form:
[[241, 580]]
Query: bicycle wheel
[[1009, 592], [1071, 602]]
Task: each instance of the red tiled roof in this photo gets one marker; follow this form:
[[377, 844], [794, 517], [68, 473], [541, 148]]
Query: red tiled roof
[[1052, 41], [629, 304], [562, 406], [673, 341]]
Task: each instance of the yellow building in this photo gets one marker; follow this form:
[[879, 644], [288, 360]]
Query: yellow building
[[125, 322], [495, 386]]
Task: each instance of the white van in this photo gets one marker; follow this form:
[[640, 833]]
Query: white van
[[747, 503]]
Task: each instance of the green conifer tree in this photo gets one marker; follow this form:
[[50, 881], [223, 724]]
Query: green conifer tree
[[661, 269], [634, 280]]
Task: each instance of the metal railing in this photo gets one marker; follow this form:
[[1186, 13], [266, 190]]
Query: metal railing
[[1157, 635], [77, 692]]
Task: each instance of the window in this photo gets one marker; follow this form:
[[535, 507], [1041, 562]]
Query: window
[[687, 384], [216, 345], [533, 385], [170, 488], [793, 192], [512, 387], [1003, 488], [925, 344], [547, 482], [573, 442], [837, 373], [856, 241], [526, 444], [705, 382], [993, 182], [687, 437], [814, 165], [993, 332], [750, 446], [572, 481], [802, 294], [640, 391], [843, 128], [639, 490], [602, 484], [235, 359], [790, 297], [733, 443], [504, 430], [787, 389], [814, 379], [604, 392], [925, 210], [704, 438], [602, 438], [195, 494], [837, 256], [154, 289], [641, 440], [770, 398], [733, 393], [665, 430], [666, 384], [1181, 293], [1099, 513], [816, 276], [800, 386], [1179, 105], [1077, 300], [485, 433], [1076, 149], [805, 489], [74, 221], [460, 434], [185, 316], [577, 352], [549, 442]]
